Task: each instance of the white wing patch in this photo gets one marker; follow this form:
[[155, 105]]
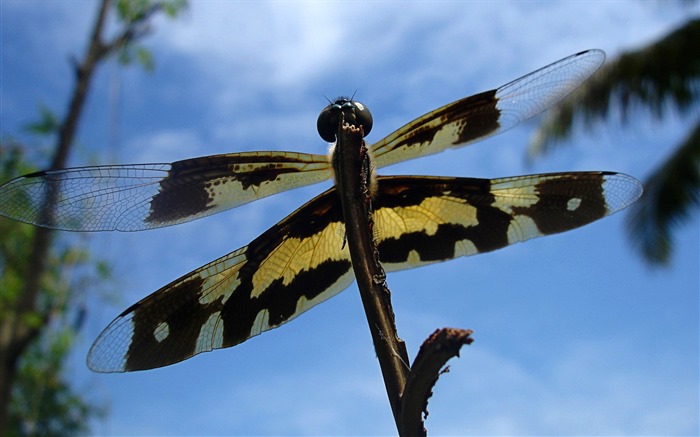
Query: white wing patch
[[211, 336]]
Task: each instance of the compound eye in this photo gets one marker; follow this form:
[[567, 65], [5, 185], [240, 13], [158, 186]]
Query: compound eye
[[327, 122], [363, 117], [355, 113]]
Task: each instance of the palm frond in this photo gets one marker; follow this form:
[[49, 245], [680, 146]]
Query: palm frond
[[660, 76], [670, 194]]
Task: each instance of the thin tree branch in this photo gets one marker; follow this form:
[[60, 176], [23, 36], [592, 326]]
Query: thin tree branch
[[442, 345], [16, 333], [408, 389], [137, 28], [353, 179]]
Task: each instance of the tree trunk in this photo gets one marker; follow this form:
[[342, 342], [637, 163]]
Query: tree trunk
[[16, 329]]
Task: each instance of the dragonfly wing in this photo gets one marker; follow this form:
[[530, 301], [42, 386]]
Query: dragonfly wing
[[422, 220], [482, 115], [303, 260], [146, 196], [293, 266]]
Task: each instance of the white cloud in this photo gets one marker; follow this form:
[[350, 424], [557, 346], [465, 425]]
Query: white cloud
[[283, 40], [164, 146], [582, 391]]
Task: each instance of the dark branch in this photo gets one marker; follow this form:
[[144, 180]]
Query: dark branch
[[353, 178], [442, 345], [136, 28], [15, 333]]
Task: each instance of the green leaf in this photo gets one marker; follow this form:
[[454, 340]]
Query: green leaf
[[174, 7], [661, 76], [47, 124], [670, 194], [145, 58]]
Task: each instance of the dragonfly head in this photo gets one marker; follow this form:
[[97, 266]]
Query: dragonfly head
[[355, 113]]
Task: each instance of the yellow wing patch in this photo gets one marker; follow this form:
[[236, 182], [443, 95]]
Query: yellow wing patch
[[294, 255]]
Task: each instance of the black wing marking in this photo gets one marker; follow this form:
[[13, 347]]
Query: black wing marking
[[489, 113], [302, 260], [146, 196]]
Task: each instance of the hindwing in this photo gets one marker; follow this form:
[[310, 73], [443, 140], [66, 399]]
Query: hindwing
[[303, 260]]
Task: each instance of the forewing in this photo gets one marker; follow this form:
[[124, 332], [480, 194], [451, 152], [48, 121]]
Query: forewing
[[422, 220], [482, 115], [293, 266], [146, 196]]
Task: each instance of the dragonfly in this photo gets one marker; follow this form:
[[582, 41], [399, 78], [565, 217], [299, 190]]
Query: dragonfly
[[303, 260]]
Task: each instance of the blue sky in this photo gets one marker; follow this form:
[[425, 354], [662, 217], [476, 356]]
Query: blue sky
[[574, 334]]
